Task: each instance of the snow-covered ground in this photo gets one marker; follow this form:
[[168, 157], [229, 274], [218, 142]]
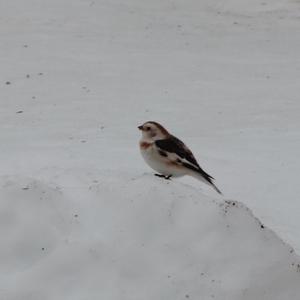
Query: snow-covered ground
[[77, 77], [123, 236]]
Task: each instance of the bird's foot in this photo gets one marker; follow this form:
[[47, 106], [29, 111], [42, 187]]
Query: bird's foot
[[164, 176], [159, 175]]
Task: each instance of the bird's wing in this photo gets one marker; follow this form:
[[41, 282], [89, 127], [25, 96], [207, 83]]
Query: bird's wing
[[174, 145]]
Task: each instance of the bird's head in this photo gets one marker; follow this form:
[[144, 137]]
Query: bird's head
[[153, 131]]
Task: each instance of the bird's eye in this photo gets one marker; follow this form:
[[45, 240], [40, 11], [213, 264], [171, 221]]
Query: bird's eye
[[148, 128]]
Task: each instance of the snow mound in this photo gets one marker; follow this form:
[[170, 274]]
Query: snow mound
[[114, 237]]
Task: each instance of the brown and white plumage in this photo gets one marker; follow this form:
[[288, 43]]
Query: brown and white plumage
[[168, 155]]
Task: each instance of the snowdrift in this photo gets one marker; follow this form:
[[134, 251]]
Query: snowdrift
[[134, 238]]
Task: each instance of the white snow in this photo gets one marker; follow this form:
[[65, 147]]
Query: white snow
[[116, 236], [77, 77]]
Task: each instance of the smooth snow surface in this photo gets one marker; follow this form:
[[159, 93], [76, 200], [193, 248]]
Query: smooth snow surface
[[124, 237], [77, 77]]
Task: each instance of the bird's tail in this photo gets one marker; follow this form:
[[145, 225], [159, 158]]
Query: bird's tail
[[216, 189], [207, 179], [201, 175]]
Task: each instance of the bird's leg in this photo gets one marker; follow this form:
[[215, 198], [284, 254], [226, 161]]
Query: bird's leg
[[164, 176]]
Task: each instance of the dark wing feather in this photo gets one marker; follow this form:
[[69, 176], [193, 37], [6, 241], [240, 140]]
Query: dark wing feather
[[174, 145]]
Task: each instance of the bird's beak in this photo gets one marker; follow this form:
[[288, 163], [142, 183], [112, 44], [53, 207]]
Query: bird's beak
[[140, 127]]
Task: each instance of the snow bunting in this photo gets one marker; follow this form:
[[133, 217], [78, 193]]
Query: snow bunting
[[168, 155]]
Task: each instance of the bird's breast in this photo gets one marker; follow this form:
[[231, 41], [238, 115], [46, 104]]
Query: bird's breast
[[145, 145]]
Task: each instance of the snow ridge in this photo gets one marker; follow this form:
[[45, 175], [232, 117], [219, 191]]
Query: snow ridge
[[120, 237]]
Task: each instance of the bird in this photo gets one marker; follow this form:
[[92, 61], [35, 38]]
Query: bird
[[168, 155]]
